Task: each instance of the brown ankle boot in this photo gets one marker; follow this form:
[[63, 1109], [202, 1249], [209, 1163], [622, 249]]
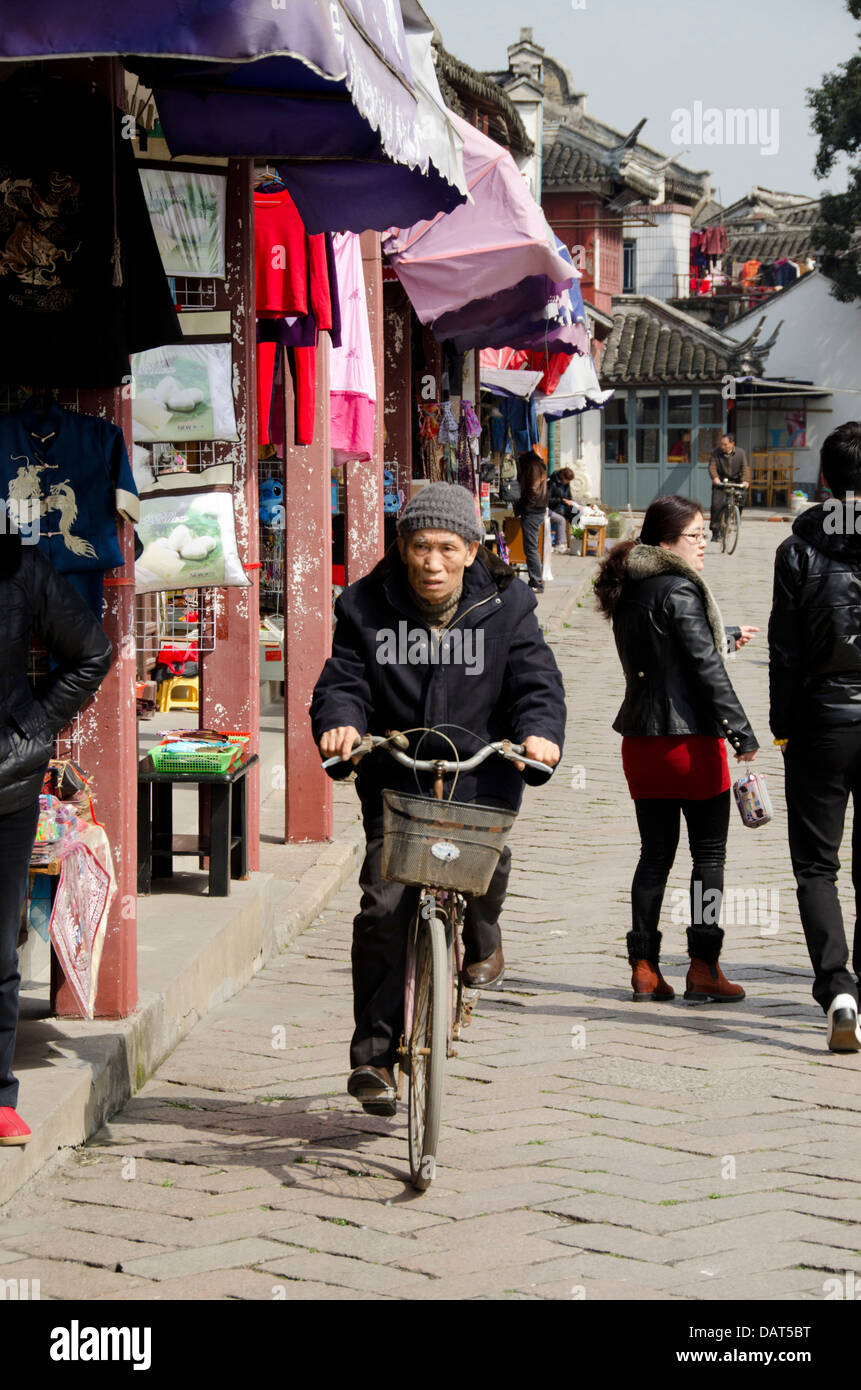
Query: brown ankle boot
[[706, 982], [647, 982]]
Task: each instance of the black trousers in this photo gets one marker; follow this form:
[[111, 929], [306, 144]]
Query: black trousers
[[531, 524], [659, 822], [380, 933], [17, 833], [822, 772]]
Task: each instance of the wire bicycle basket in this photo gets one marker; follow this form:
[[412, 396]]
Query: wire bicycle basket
[[442, 844]]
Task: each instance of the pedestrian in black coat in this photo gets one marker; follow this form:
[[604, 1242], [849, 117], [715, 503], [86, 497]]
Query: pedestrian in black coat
[[678, 710], [814, 639], [440, 634], [35, 599]]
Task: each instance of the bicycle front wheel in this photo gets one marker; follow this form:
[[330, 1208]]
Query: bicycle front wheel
[[732, 526], [428, 1046]]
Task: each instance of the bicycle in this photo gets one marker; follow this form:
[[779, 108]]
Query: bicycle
[[446, 849], [730, 521]]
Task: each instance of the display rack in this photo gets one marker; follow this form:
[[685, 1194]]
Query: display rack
[[174, 620]]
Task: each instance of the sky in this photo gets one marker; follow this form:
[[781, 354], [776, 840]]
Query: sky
[[634, 58]]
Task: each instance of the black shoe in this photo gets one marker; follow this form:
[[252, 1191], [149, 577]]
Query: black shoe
[[374, 1088], [539, 588]]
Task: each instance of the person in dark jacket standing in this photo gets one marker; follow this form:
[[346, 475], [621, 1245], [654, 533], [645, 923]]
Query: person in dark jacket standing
[[496, 679], [33, 599], [678, 710], [814, 640], [532, 509], [560, 504]]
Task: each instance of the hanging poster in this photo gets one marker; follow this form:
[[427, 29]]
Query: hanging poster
[[189, 541], [187, 212], [183, 392]]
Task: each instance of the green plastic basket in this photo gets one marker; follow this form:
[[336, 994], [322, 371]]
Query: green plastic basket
[[207, 760]]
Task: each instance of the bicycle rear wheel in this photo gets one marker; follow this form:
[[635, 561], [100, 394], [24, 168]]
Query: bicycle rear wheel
[[732, 523], [428, 1046]]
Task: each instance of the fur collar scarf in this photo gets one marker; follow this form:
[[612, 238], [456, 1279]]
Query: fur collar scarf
[[645, 561]]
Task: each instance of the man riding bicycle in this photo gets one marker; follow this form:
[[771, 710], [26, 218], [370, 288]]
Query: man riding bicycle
[[439, 634], [727, 464]]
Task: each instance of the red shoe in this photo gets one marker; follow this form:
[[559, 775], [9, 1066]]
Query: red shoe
[[12, 1128], [706, 983], [648, 983]]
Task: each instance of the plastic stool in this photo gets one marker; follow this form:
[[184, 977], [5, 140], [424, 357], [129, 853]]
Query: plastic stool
[[180, 692]]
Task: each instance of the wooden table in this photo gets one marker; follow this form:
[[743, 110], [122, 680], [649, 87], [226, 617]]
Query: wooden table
[[226, 845]]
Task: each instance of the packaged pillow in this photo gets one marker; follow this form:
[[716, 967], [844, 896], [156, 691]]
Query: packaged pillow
[[189, 541]]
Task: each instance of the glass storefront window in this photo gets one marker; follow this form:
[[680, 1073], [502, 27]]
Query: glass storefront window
[[678, 445], [680, 408], [648, 445], [616, 410], [615, 445], [648, 408], [709, 438]]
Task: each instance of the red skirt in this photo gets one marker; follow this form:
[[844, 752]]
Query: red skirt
[[689, 768]]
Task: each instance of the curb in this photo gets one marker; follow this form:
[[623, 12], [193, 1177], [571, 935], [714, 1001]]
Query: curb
[[79, 1073]]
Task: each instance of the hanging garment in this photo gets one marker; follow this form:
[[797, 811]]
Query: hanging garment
[[522, 421], [81, 281], [749, 272], [766, 276], [75, 470], [352, 382], [290, 267], [467, 414], [715, 241], [448, 428]]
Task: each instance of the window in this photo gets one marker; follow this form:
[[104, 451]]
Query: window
[[629, 267], [680, 405], [648, 421], [615, 415], [711, 424]]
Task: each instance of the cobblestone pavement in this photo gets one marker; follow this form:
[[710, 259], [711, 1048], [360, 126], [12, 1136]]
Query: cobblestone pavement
[[591, 1147]]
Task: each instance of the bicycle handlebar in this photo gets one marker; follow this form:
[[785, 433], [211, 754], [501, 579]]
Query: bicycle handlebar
[[512, 751]]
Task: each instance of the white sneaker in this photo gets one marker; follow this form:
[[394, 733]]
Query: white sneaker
[[843, 1033]]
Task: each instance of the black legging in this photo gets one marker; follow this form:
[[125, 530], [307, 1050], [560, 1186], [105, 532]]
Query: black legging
[[659, 822]]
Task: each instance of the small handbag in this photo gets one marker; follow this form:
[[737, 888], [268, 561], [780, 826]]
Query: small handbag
[[753, 801]]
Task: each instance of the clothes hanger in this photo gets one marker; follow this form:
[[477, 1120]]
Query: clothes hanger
[[268, 180]]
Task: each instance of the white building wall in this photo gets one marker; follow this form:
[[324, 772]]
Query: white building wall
[[662, 255], [580, 450], [820, 341]]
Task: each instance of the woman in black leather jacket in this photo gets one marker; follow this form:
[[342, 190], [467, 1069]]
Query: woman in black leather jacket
[[679, 707], [33, 599]]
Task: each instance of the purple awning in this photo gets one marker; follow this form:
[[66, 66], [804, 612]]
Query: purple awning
[[322, 88]]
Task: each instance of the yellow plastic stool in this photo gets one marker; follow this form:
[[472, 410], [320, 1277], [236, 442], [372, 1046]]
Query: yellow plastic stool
[[180, 692]]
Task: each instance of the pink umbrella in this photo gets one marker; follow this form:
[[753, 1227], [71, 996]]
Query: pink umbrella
[[489, 244]]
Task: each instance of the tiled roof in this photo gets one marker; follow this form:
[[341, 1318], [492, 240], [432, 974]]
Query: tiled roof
[[652, 343], [564, 163], [782, 242]]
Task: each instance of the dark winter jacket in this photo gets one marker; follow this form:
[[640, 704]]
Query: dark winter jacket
[[814, 634], [672, 642], [35, 599], [556, 492], [514, 690]]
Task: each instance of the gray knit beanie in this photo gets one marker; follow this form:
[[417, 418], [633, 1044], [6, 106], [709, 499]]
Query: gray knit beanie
[[441, 507]]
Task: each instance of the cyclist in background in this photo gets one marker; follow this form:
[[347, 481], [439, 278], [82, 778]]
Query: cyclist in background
[[727, 464], [440, 633]]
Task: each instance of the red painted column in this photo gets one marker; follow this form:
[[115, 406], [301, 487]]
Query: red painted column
[[363, 532], [396, 390], [307, 611], [106, 746], [230, 675]]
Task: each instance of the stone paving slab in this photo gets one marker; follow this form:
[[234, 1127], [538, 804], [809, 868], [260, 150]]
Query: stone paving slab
[[591, 1148]]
